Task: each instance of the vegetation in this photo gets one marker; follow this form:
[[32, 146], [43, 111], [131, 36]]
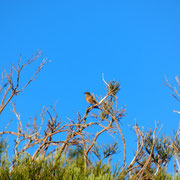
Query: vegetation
[[78, 153]]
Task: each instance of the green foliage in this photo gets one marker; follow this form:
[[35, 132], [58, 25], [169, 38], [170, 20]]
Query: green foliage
[[25, 169], [108, 108], [162, 174], [65, 169], [3, 146], [113, 88], [162, 153]]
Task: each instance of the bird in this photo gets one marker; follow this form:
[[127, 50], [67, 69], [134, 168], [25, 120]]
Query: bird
[[90, 98]]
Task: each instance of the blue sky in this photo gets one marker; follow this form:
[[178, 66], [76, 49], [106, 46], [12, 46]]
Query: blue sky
[[133, 42]]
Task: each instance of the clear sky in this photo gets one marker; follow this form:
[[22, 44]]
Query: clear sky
[[135, 43]]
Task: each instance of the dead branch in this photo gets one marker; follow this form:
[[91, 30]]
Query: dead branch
[[13, 86]]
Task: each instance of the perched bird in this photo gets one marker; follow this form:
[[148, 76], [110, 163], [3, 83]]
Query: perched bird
[[90, 99]]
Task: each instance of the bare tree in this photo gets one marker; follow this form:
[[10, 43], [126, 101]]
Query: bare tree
[[53, 137], [10, 82], [106, 119]]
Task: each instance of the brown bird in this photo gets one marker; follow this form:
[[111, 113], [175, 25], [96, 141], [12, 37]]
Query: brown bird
[[90, 98]]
